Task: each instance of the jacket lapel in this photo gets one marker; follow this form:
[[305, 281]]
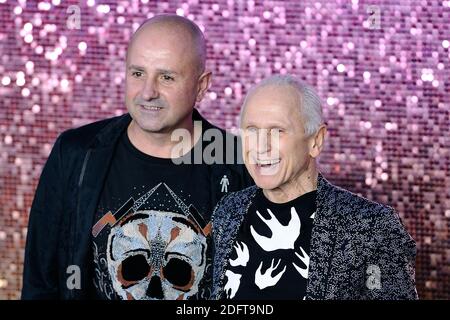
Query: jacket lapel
[[323, 240], [232, 225], [97, 162]]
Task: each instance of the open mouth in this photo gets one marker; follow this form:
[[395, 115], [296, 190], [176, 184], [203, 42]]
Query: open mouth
[[267, 167], [267, 163]]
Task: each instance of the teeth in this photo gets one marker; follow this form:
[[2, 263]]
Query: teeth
[[151, 108], [267, 162]]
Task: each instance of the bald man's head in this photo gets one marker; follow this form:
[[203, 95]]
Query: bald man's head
[[182, 30], [165, 75]]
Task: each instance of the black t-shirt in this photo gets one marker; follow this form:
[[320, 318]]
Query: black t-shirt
[[160, 248], [270, 256]]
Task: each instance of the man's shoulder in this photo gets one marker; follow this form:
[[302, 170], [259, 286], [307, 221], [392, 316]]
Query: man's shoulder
[[359, 213], [236, 200], [232, 206], [83, 136], [358, 202], [240, 195]]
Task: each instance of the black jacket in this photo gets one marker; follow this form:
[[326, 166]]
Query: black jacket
[[59, 234]]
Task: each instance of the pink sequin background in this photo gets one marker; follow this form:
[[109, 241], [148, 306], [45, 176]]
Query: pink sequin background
[[381, 67]]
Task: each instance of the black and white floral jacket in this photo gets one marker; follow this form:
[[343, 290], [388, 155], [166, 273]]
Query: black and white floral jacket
[[359, 248]]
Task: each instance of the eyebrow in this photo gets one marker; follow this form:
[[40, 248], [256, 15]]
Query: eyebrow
[[164, 71], [136, 67]]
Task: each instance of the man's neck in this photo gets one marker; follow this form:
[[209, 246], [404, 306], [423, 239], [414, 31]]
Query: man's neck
[[160, 144], [305, 183]]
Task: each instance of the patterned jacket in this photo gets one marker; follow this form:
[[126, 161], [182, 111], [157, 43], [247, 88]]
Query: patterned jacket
[[359, 248]]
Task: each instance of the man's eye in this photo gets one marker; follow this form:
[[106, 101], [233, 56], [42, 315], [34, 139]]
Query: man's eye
[[166, 77], [137, 74], [276, 131]]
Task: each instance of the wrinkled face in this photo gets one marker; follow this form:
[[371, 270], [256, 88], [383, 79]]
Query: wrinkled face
[[155, 255], [276, 150], [161, 79]]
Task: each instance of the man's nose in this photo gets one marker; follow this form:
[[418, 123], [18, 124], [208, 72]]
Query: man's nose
[[264, 144], [150, 90]]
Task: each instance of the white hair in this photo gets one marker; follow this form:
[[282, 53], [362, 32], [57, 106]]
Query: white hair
[[310, 106]]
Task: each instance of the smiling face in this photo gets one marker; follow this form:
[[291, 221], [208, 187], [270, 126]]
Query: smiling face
[[164, 77], [276, 151]]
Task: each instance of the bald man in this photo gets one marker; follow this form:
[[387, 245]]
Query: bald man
[[123, 205]]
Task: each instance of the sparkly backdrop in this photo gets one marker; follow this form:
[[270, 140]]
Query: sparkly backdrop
[[381, 67]]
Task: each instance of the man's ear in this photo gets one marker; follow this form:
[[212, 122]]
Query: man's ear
[[317, 142], [203, 85]]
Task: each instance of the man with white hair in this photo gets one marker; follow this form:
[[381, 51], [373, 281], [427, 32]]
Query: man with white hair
[[295, 235]]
